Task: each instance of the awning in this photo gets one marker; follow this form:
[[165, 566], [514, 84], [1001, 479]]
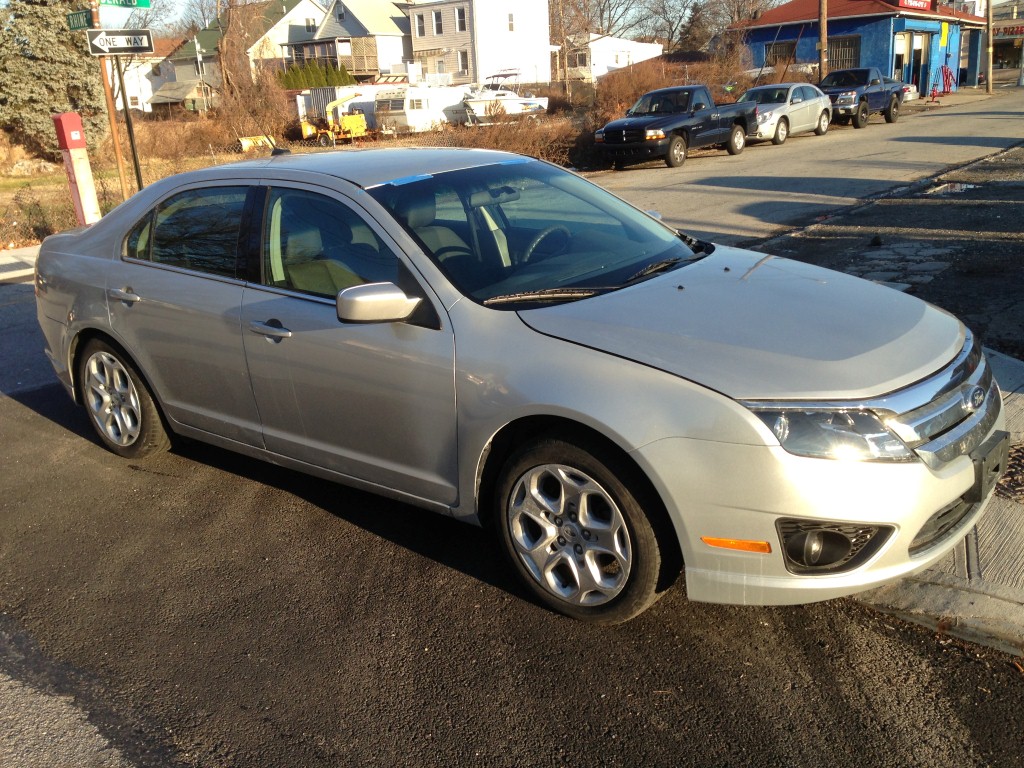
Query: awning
[[177, 92]]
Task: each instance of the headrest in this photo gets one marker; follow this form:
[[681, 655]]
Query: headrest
[[417, 211]]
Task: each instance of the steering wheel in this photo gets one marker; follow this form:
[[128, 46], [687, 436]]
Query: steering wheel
[[542, 235], [452, 250]]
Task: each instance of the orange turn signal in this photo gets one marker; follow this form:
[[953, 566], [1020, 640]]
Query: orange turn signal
[[762, 547]]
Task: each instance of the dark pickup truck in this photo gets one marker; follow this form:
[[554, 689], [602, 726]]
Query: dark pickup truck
[[856, 93], [667, 122]]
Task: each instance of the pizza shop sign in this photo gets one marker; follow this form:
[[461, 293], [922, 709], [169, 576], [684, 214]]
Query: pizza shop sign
[[917, 5]]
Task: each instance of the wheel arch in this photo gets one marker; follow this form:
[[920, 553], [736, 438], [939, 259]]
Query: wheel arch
[[514, 434], [77, 349]]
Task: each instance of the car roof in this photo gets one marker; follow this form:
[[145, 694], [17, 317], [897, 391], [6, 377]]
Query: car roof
[[774, 85], [372, 167]]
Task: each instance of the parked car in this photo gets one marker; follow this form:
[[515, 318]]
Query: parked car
[[909, 90], [789, 108], [491, 337], [856, 93], [669, 121]]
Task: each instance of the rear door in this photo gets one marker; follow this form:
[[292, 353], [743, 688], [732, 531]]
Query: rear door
[[372, 401], [174, 299]]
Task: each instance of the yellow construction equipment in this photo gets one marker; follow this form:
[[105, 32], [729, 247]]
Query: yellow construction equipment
[[336, 125]]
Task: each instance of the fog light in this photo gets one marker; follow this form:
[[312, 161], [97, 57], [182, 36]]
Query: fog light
[[818, 548]]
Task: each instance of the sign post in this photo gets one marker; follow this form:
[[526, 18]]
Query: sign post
[[115, 134]]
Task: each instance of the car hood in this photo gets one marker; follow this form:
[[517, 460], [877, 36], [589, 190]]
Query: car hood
[[758, 327], [645, 122]]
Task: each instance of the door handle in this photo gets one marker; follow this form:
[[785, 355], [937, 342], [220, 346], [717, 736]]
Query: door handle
[[124, 294], [272, 329]]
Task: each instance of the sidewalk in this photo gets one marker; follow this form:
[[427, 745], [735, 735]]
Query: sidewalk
[[17, 265]]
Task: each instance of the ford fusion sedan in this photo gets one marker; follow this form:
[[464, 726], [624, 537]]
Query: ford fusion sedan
[[491, 337], [789, 108]]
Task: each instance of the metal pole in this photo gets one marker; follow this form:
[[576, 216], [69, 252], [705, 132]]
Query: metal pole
[[128, 122], [115, 134]]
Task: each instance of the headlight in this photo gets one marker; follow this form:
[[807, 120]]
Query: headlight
[[599, 137], [834, 434], [764, 117], [654, 134], [846, 96]]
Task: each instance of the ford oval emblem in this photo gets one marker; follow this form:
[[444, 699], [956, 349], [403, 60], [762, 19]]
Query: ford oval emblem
[[974, 399]]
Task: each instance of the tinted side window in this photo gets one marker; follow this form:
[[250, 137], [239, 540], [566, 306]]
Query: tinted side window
[[195, 230], [807, 93], [316, 244]]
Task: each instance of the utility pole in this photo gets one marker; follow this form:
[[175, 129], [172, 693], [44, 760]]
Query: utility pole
[[822, 38], [988, 47], [115, 134]]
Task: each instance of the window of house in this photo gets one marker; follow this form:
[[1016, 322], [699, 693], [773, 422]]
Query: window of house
[[196, 230], [340, 9], [156, 70], [844, 52], [460, 19], [416, 104], [421, 27], [511, 23], [133, 101], [440, 67], [463, 62], [779, 53], [200, 67], [438, 26], [577, 59], [311, 25]]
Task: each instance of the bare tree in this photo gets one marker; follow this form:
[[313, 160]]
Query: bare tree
[[721, 13], [665, 20]]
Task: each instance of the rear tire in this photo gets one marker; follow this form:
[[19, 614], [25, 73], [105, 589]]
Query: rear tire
[[121, 408], [861, 116], [822, 127], [781, 132], [892, 112], [573, 528], [737, 140], [676, 152]]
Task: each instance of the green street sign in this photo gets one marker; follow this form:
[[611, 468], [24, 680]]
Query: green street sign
[[127, 3], [80, 20]]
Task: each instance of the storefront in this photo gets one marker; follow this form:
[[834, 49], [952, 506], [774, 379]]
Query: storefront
[[1007, 35], [917, 41]]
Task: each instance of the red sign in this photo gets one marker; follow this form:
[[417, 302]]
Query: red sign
[[917, 5]]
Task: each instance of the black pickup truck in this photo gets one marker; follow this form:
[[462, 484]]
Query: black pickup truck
[[668, 121], [856, 93]]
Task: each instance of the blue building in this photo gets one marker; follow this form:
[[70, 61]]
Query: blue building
[[916, 41]]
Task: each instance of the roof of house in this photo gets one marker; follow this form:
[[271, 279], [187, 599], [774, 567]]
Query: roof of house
[[364, 18], [209, 37], [802, 11]]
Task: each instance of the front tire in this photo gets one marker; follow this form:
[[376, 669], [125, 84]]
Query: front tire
[[121, 408], [822, 128], [572, 525], [892, 112], [676, 152], [781, 132], [737, 140], [860, 117]]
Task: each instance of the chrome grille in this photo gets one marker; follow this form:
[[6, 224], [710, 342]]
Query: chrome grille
[[627, 136]]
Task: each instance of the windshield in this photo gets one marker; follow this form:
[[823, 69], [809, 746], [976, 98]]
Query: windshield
[[661, 103], [845, 79], [766, 95], [526, 226]]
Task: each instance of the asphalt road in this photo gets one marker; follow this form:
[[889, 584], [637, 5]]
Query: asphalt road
[[205, 609]]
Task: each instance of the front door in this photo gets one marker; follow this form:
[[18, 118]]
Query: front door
[[375, 401]]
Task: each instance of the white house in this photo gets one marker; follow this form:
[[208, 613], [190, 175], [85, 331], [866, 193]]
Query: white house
[[466, 41], [143, 75], [603, 54], [369, 37]]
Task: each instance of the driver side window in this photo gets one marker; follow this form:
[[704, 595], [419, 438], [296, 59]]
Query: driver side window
[[318, 245]]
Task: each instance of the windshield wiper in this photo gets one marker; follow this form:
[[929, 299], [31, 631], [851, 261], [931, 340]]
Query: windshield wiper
[[546, 294], [655, 268]]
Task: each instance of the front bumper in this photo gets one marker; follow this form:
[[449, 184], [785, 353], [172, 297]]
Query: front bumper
[[636, 152], [752, 493]]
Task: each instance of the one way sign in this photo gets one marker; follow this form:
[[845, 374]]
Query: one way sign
[[114, 42]]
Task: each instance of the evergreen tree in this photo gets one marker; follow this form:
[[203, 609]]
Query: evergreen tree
[[46, 69]]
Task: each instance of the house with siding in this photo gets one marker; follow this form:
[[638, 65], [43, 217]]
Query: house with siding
[[368, 37], [467, 41]]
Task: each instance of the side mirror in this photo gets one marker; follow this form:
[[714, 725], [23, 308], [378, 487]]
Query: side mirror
[[699, 106], [374, 303], [797, 100], [876, 81]]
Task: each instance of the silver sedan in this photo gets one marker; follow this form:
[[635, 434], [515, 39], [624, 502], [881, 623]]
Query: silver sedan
[[491, 337], [788, 108]]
